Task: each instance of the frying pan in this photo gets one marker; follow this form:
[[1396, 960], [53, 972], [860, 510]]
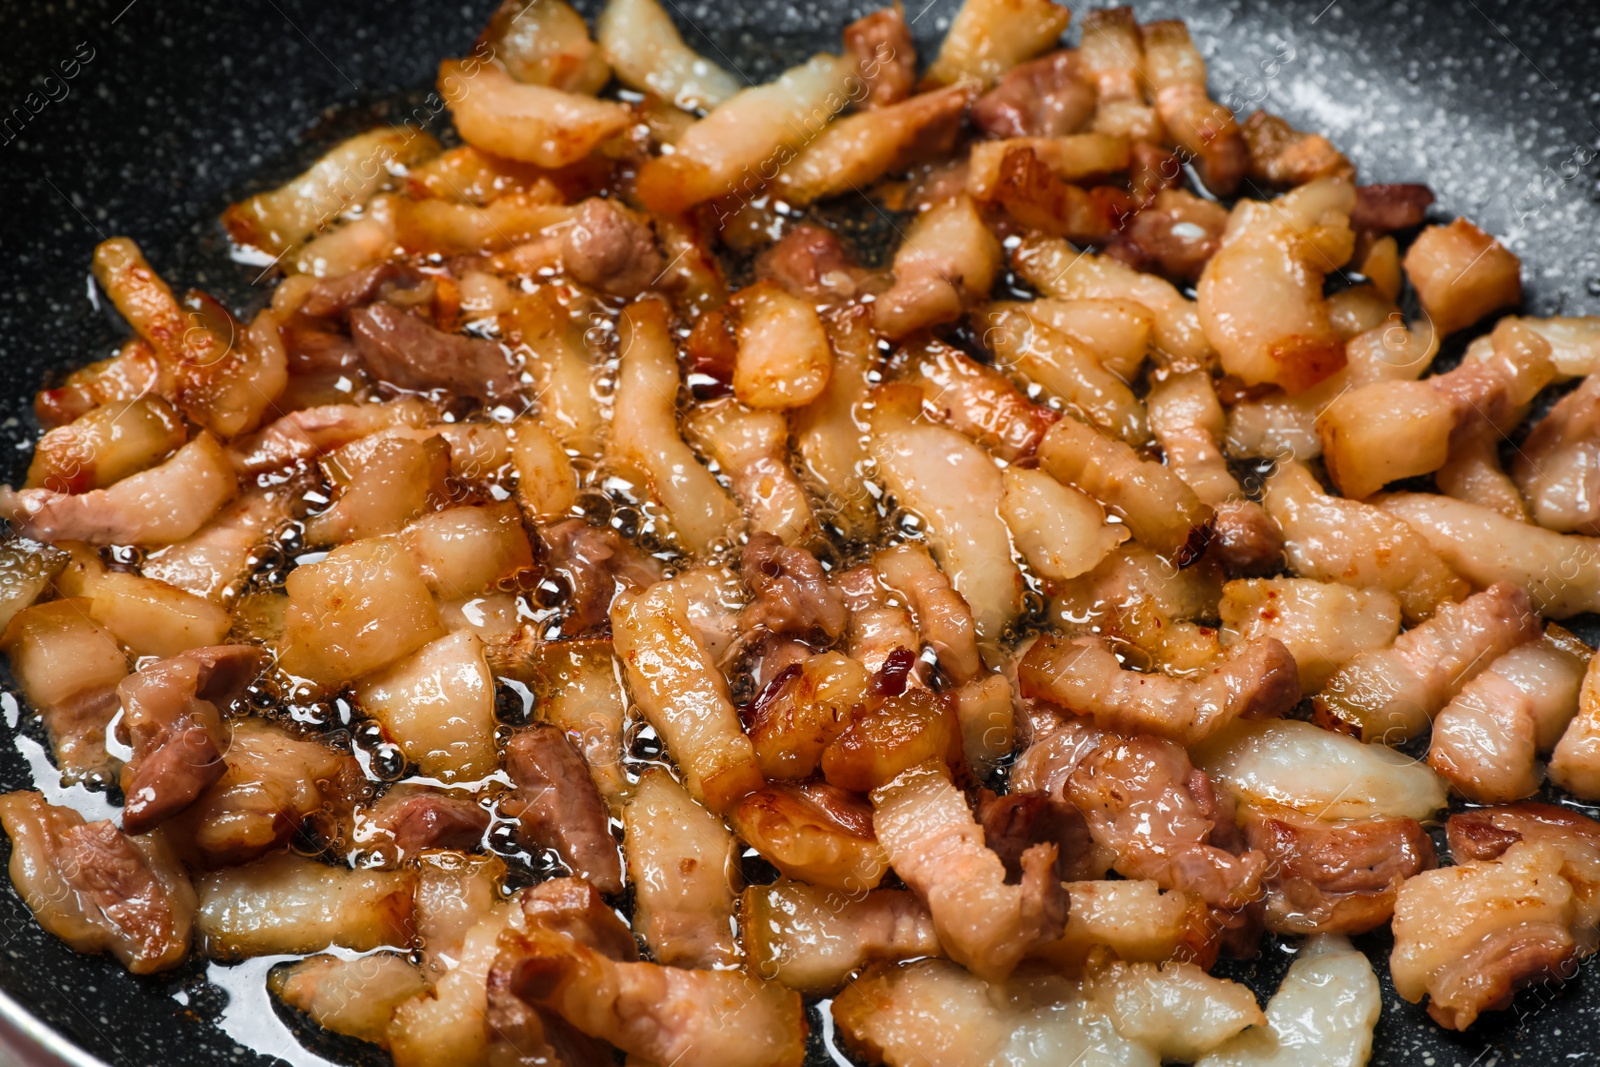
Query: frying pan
[[146, 118]]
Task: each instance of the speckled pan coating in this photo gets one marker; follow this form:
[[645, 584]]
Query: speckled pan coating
[[183, 106]]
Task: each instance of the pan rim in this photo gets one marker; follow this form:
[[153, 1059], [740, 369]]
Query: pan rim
[[46, 1038]]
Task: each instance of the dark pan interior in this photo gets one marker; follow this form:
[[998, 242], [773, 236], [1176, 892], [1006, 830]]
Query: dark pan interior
[[175, 107]]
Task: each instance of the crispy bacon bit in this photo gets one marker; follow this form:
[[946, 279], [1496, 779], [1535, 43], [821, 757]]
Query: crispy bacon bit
[[877, 627], [354, 997], [856, 151], [158, 506], [813, 832], [1283, 156], [1487, 740], [1393, 693], [811, 939], [106, 445], [943, 616], [131, 373], [948, 259], [1485, 834], [1046, 97], [318, 431], [68, 667], [934, 844], [802, 710], [888, 735], [1339, 540], [1259, 681], [683, 863], [1260, 296], [1558, 467], [1039, 199], [1385, 431], [1188, 421], [1113, 53], [1490, 833], [216, 562], [752, 447], [1204, 129], [675, 680], [1160, 509], [886, 57], [980, 400], [575, 962], [1051, 758], [1334, 877], [1468, 937], [1462, 274], [1152, 168], [273, 784]]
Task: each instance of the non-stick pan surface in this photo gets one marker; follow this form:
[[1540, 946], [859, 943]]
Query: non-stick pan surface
[[147, 118]]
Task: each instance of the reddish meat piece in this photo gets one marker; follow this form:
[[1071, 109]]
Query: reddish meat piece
[[573, 907], [1147, 804], [1152, 168], [607, 248], [593, 561], [810, 262], [1283, 156], [1016, 822], [1245, 540], [434, 820], [335, 298], [77, 729], [1487, 832], [791, 590], [557, 805], [1036, 197], [273, 785], [1175, 236], [116, 880], [95, 887], [522, 1034], [1386, 208], [172, 716], [399, 348]]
